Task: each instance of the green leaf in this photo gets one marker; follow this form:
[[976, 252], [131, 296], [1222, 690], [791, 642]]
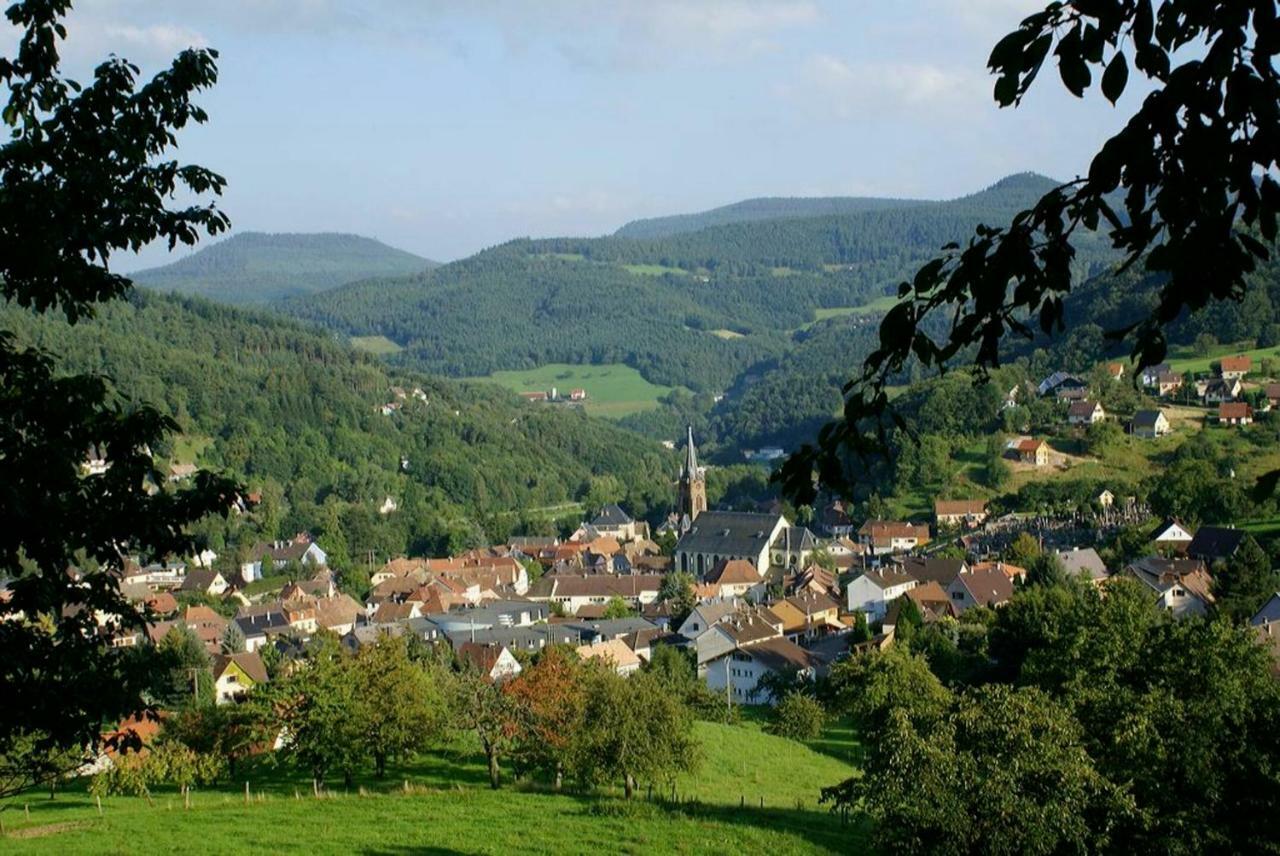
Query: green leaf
[[1115, 77]]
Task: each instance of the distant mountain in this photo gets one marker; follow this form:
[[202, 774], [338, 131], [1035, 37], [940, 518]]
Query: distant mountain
[[256, 267], [752, 210], [694, 309]]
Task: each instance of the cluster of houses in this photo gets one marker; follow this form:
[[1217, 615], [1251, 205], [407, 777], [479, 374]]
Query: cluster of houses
[[553, 395], [399, 396]]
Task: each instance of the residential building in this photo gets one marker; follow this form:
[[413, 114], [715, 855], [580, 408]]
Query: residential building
[[934, 568], [892, 536], [1234, 413], [1083, 563], [1030, 451], [1235, 368], [871, 592], [616, 652], [300, 549], [573, 591], [1218, 390], [738, 578], [1167, 384], [1085, 412], [1171, 534], [988, 587], [615, 523], [808, 616], [739, 672], [1215, 543], [1150, 424], [1062, 385], [960, 512], [1151, 374], [1181, 586], [492, 661], [236, 674], [204, 581]]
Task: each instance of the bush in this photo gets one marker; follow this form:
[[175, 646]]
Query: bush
[[798, 717]]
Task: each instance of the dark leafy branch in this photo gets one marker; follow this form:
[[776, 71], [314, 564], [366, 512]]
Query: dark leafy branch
[[1192, 170]]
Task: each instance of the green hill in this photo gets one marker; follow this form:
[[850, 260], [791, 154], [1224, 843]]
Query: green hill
[[447, 808], [295, 413], [696, 309], [751, 210], [255, 267]]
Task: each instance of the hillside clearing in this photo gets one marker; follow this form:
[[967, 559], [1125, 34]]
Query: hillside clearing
[[613, 389], [379, 345], [654, 270]]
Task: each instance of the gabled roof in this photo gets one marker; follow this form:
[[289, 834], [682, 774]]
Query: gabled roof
[[247, 661], [989, 586], [1083, 562], [940, 570], [1058, 379], [886, 578], [482, 656], [729, 533], [1234, 410], [1082, 408], [1239, 363], [930, 597], [611, 515], [734, 572], [943, 507], [614, 651], [1270, 612], [595, 585], [1146, 418], [199, 579], [780, 655], [1215, 542]]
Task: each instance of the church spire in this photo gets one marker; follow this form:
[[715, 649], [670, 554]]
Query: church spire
[[690, 457]]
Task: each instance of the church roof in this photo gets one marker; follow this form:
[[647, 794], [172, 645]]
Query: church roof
[[729, 533], [690, 469]]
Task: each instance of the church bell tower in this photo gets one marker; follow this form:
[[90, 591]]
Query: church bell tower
[[692, 499]]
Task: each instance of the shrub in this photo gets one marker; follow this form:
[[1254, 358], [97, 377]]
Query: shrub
[[798, 717]]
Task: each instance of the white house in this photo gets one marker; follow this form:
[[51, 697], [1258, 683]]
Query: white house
[[301, 549], [872, 591], [494, 662], [1181, 586], [738, 672], [236, 674], [1171, 533], [1150, 424], [1085, 412]]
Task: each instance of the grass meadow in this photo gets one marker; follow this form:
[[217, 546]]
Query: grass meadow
[[613, 389]]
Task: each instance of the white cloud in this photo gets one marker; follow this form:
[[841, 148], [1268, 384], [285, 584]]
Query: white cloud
[[843, 89], [161, 39]]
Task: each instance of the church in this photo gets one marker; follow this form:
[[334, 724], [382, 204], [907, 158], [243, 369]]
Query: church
[[709, 537]]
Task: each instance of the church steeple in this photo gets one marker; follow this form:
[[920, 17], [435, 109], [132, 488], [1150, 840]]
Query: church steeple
[[692, 498]]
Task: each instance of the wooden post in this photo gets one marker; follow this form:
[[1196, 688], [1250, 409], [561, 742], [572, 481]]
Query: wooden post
[[186, 797], [26, 810], [762, 802], [742, 800], [99, 806], [246, 792]]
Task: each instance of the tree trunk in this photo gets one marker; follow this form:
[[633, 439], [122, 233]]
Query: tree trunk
[[494, 773], [559, 780], [346, 779], [628, 784], [380, 764]]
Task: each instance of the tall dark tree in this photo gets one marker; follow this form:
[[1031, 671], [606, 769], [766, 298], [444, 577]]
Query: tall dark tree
[[83, 175], [1187, 189]]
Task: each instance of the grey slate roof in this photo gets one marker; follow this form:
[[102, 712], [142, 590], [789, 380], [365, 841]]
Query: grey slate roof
[[1269, 612], [1145, 418], [1215, 542], [797, 538], [729, 533], [609, 628], [1084, 562], [611, 515]]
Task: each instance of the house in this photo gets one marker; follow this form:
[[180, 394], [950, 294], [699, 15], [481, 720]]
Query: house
[[388, 505], [613, 522], [1267, 619], [988, 587], [95, 461], [836, 522], [300, 549], [1234, 368], [181, 472], [737, 578], [1234, 413], [932, 600], [534, 396], [716, 535], [1181, 586], [339, 613], [1272, 392], [1171, 534], [1013, 572], [236, 674], [577, 395], [808, 616], [891, 536], [705, 616], [1062, 385], [871, 592], [1030, 451], [1085, 412], [204, 581], [738, 672], [1105, 499], [1215, 543], [1219, 390], [494, 662], [615, 652], [260, 624], [1083, 563], [1151, 374], [960, 512], [935, 568], [573, 591], [1150, 424], [1167, 383], [1115, 371]]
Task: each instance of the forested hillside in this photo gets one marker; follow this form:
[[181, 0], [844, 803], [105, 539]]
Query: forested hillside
[[295, 415], [254, 267], [695, 309], [751, 210]]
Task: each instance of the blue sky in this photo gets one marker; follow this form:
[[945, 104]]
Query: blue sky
[[444, 126]]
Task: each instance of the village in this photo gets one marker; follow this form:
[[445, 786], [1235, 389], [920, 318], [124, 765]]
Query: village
[[754, 599]]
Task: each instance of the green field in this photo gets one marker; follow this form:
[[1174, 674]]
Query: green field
[[187, 448], [448, 808], [380, 345], [726, 334], [655, 270], [1183, 360], [613, 389]]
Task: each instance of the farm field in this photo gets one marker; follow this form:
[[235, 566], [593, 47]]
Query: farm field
[[613, 389], [1182, 360], [380, 345], [448, 808]]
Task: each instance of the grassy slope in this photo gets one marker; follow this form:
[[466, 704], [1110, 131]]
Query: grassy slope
[[380, 345], [613, 389], [448, 809]]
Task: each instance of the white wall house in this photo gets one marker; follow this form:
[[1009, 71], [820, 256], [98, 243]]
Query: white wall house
[[871, 592]]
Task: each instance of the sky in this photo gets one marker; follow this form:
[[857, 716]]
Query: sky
[[445, 126]]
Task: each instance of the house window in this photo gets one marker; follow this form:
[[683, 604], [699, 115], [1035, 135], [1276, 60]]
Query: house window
[[957, 595]]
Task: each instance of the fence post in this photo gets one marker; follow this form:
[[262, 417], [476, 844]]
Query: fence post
[[99, 806], [762, 802], [246, 791]]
